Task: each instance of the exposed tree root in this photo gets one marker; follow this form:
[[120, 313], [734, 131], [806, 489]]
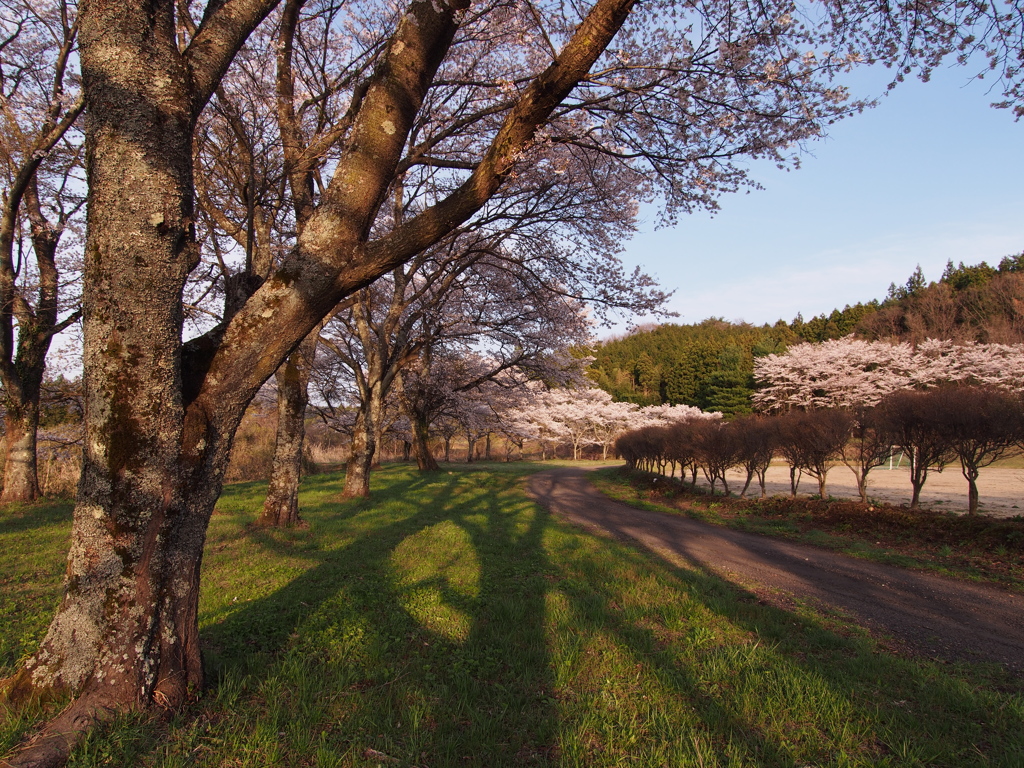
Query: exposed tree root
[[51, 746]]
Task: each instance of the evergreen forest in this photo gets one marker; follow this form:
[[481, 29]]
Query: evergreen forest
[[710, 364]]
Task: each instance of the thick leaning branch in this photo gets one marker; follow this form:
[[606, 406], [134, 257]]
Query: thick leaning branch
[[332, 259], [219, 37]]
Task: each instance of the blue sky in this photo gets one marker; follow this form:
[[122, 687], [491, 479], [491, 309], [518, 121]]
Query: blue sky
[[932, 173]]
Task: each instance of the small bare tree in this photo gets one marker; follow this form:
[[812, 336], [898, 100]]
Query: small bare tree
[[910, 420], [867, 448], [755, 444], [979, 424], [811, 441], [716, 450]]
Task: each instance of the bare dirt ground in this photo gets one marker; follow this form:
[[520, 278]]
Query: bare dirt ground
[[927, 614], [1001, 490]]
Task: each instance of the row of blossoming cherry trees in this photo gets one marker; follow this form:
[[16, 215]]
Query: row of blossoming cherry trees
[[855, 402]]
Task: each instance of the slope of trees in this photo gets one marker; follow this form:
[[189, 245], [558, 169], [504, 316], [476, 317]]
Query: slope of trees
[[968, 303], [708, 365], [711, 364]]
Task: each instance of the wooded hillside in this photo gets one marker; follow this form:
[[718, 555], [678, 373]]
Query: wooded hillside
[[710, 364]]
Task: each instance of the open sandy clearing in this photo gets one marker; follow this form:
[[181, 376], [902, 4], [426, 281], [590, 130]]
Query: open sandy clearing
[[1001, 490]]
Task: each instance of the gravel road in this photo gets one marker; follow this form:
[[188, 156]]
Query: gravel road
[[927, 614]]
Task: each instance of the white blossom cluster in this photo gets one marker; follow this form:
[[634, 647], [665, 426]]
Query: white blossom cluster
[[589, 417], [849, 372]]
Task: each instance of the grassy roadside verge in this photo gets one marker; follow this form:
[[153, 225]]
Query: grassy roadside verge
[[975, 548], [448, 621]]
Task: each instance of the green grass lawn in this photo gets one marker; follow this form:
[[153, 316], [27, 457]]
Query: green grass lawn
[[449, 621]]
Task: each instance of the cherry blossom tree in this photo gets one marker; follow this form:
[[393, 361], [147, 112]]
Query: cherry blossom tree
[[675, 103], [849, 372]]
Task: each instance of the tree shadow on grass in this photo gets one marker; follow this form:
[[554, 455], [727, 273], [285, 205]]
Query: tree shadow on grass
[[846, 702], [420, 640], [457, 624], [17, 519]]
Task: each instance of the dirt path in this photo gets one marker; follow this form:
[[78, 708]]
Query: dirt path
[[928, 614]]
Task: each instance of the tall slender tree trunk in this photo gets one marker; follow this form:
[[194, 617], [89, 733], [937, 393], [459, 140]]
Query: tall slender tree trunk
[[918, 476], [365, 439], [21, 482], [470, 449], [281, 507], [972, 490]]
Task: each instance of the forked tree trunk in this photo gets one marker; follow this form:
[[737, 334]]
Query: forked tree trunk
[[862, 484], [281, 507], [470, 449], [21, 483], [746, 485]]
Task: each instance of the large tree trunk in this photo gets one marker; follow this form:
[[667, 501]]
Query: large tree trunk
[[21, 482], [281, 507], [126, 633]]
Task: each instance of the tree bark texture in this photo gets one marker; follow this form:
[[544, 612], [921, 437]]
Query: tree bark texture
[[21, 483], [281, 507], [425, 460], [126, 632], [365, 439]]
